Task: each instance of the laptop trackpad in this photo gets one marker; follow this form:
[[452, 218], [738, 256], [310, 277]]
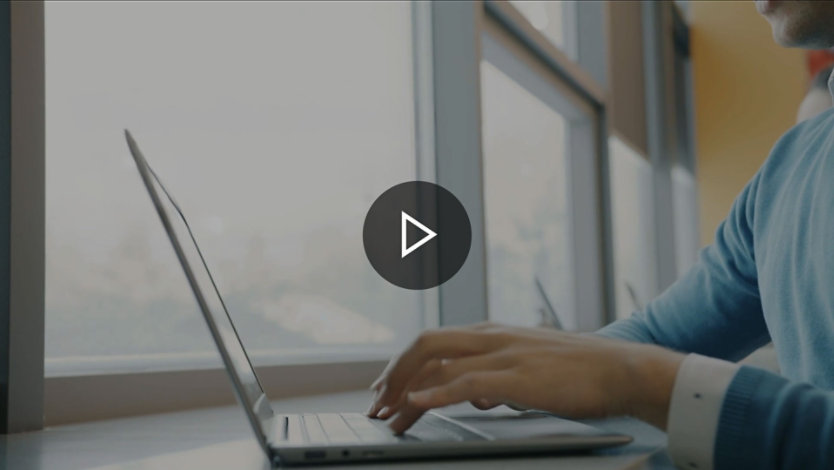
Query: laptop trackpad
[[505, 423]]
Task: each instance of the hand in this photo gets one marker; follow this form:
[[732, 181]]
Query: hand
[[568, 374]]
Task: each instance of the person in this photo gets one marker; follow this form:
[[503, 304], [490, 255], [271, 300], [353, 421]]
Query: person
[[817, 99], [769, 276]]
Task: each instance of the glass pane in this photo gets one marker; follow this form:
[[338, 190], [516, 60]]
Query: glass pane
[[685, 200], [546, 16], [526, 197], [632, 208], [274, 152]]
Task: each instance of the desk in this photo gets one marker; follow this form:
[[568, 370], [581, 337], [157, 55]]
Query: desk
[[219, 438]]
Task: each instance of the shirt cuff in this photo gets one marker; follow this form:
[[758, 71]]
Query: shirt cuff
[[695, 408]]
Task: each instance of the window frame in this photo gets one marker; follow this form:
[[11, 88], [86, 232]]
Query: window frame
[[664, 116], [686, 165], [448, 138], [112, 394], [584, 111], [22, 218]]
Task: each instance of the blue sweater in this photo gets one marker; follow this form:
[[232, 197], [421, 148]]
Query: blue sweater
[[768, 276]]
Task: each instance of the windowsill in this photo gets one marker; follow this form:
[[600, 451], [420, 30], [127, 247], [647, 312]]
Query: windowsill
[[79, 398], [171, 362]]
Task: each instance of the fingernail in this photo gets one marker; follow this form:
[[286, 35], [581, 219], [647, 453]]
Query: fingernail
[[385, 412], [371, 410]]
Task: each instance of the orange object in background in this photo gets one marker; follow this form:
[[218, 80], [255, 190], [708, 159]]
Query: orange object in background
[[818, 60], [739, 110]]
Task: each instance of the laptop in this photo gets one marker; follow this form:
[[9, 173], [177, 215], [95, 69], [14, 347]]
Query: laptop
[[311, 439]]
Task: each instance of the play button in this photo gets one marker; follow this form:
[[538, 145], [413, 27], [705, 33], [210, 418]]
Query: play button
[[406, 248], [417, 235]]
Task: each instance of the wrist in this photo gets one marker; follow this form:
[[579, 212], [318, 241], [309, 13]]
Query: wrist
[[652, 374]]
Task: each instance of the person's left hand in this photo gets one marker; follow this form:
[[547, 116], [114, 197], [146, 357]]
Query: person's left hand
[[568, 374]]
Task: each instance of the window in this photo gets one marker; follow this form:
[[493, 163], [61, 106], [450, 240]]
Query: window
[[526, 202], [542, 200], [547, 16], [685, 200], [276, 125], [684, 185], [635, 281], [274, 152]]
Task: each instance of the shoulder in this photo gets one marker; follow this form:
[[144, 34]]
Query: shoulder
[[813, 131], [801, 144]]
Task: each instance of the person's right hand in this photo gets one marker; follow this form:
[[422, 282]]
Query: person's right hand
[[571, 375]]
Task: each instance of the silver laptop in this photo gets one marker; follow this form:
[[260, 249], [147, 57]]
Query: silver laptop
[[334, 437]]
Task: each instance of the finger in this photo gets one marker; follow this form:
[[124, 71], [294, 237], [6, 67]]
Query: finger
[[435, 344], [484, 404], [482, 326], [476, 385], [419, 343], [491, 386], [377, 384], [405, 419], [381, 410], [375, 407], [441, 372], [516, 406]]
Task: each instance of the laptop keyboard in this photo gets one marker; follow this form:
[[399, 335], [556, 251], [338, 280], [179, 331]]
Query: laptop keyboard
[[354, 428]]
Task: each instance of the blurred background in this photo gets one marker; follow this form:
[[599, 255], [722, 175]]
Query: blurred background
[[595, 145]]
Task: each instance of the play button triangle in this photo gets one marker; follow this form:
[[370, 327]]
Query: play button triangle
[[406, 219]]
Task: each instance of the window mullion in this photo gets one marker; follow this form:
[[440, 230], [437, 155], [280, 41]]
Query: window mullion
[[22, 217], [456, 28]]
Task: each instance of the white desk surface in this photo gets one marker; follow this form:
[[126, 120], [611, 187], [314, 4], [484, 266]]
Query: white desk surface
[[219, 438]]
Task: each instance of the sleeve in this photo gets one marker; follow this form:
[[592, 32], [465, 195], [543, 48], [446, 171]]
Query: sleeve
[[695, 408], [714, 309], [768, 422]]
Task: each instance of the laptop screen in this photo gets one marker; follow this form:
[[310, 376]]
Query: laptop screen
[[246, 384]]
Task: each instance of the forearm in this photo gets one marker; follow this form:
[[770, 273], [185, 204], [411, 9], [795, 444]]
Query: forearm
[[652, 373], [701, 313], [714, 309], [725, 416], [633, 329], [768, 422]]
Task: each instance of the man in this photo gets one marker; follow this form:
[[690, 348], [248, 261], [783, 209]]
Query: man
[[817, 99], [768, 276]]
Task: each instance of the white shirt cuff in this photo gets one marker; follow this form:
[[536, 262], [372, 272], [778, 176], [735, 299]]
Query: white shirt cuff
[[695, 408]]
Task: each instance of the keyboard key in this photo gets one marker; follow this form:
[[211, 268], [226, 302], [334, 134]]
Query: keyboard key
[[315, 433], [369, 430], [294, 433], [337, 429]]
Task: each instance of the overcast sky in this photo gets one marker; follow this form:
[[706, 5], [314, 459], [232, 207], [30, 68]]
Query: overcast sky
[[275, 125]]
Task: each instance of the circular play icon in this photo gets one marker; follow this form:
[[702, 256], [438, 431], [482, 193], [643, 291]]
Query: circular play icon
[[417, 235]]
